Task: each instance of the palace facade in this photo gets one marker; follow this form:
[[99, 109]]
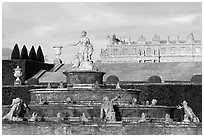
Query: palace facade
[[156, 50]]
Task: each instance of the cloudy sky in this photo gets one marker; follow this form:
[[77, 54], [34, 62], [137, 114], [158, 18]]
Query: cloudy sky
[[60, 24]]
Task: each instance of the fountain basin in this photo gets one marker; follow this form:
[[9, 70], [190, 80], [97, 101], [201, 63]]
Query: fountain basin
[[81, 95], [84, 77], [93, 111], [53, 128]]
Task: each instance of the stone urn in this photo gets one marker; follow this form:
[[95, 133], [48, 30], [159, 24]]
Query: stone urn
[[17, 74]]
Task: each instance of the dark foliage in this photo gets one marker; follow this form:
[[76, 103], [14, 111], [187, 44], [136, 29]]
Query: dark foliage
[[40, 56], [25, 65], [32, 81], [196, 79], [173, 95], [32, 54], [154, 79], [24, 53], [112, 79], [15, 53]]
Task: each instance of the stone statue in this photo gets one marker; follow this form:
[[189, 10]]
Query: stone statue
[[83, 60], [189, 112], [14, 105], [17, 111], [33, 118], [143, 118], [107, 111], [154, 102], [168, 119], [83, 118]]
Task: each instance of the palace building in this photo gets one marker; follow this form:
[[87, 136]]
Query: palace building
[[156, 50]]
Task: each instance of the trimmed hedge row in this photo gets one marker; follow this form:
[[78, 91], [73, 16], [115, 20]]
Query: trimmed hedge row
[[166, 94], [29, 69]]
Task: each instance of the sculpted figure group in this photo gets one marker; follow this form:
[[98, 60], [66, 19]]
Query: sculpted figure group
[[83, 58]]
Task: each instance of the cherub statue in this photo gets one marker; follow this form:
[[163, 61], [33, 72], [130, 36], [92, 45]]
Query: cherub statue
[[90, 52], [76, 62], [107, 111]]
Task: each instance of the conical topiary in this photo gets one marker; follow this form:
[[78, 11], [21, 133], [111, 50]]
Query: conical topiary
[[24, 53], [40, 56], [32, 54], [15, 53]]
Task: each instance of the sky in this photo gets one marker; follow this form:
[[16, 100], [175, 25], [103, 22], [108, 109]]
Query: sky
[[60, 24]]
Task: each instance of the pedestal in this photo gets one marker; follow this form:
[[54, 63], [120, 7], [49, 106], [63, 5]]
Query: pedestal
[[83, 79]]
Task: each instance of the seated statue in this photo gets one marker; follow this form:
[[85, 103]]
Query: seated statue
[[14, 105], [107, 111], [17, 111], [168, 119], [189, 112], [143, 118]]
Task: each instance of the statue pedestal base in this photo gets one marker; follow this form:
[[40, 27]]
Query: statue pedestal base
[[84, 79]]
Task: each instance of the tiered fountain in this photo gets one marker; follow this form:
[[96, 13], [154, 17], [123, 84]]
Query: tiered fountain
[[83, 105], [85, 93]]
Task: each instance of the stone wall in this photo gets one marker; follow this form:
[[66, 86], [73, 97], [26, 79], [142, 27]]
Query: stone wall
[[50, 128]]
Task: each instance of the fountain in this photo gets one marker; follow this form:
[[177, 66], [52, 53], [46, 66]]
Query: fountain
[[86, 95], [87, 101]]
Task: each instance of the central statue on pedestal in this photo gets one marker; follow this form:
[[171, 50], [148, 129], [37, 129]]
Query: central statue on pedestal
[[83, 60], [83, 73]]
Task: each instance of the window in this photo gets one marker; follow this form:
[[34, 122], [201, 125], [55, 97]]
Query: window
[[155, 52], [198, 50], [163, 50], [134, 51], [124, 51], [172, 50], [115, 51], [148, 51], [182, 50]]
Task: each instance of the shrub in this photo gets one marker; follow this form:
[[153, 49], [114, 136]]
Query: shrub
[[32, 81], [24, 53], [196, 79], [154, 79], [112, 79], [15, 53], [40, 56], [32, 54]]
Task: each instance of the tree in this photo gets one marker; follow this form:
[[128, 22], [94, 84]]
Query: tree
[[32, 54], [15, 53], [24, 53], [40, 56]]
